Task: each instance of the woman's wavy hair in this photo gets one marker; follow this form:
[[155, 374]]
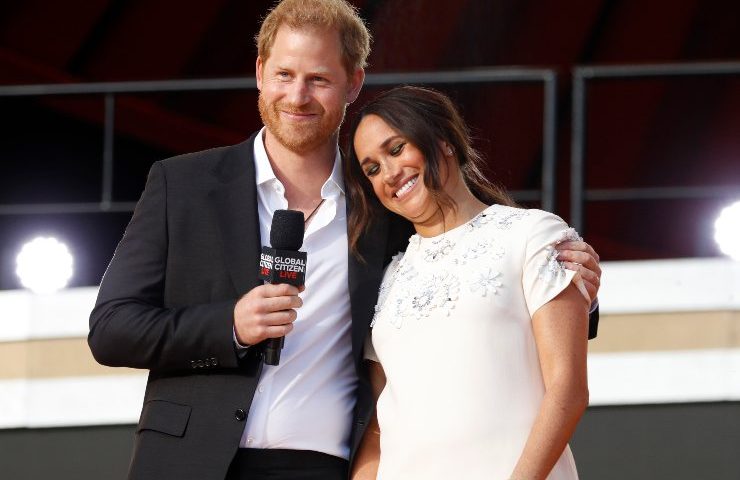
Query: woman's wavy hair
[[425, 117]]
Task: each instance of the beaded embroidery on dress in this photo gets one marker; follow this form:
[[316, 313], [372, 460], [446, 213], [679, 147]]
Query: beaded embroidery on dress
[[420, 293], [553, 270]]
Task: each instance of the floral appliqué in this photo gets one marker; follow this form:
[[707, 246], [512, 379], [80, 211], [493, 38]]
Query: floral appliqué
[[553, 270], [439, 249], [419, 298], [395, 267], [488, 248], [504, 222], [486, 282], [480, 220]]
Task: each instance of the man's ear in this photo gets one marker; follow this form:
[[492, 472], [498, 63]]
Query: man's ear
[[355, 84], [259, 65]]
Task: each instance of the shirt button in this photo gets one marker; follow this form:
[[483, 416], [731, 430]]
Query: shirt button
[[240, 414], [261, 389], [250, 440]]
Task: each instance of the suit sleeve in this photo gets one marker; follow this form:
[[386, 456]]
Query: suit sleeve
[[130, 325], [593, 323]]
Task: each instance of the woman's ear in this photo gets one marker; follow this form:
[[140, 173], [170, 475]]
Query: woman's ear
[[446, 149]]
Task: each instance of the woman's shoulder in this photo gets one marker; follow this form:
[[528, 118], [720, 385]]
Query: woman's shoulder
[[519, 226], [508, 215]]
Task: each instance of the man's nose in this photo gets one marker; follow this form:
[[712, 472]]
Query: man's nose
[[298, 93]]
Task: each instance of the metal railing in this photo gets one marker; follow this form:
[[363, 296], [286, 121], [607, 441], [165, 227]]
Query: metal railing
[[548, 78], [580, 194]]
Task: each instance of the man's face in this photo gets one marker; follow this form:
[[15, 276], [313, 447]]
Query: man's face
[[304, 88]]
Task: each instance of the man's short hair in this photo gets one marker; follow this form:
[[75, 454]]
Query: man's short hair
[[323, 14]]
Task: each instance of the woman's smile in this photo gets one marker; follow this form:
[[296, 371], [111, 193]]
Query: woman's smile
[[406, 187]]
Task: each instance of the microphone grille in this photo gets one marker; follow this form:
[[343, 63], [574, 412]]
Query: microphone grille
[[286, 232]]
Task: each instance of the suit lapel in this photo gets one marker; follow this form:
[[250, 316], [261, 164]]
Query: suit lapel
[[364, 281], [235, 203]]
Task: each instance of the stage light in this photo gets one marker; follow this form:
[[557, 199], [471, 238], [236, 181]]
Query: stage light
[[44, 265], [727, 230]]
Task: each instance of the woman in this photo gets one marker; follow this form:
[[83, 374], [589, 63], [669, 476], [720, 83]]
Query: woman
[[478, 345]]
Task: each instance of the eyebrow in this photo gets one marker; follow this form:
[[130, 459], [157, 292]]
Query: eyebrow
[[323, 71], [382, 145]]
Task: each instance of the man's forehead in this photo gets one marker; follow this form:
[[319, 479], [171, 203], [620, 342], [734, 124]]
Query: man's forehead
[[316, 31], [292, 48]]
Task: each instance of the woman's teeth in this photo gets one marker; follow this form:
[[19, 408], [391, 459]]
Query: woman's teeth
[[406, 187]]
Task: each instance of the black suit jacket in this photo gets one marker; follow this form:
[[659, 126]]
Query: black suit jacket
[[166, 304]]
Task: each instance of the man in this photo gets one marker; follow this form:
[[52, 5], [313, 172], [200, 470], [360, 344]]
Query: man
[[181, 296]]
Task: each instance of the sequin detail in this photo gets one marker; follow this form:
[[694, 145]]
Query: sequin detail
[[431, 292], [487, 248], [439, 249], [504, 222], [430, 276], [553, 270], [486, 282]]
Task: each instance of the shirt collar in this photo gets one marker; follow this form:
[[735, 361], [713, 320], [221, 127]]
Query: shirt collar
[[265, 174], [263, 169]]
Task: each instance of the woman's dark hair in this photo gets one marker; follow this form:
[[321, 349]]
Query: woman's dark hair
[[424, 117]]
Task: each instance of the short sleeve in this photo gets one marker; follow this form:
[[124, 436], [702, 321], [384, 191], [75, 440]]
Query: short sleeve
[[388, 276], [543, 276]]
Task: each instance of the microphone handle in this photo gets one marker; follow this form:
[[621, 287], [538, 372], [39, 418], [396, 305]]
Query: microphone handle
[[273, 348], [271, 274]]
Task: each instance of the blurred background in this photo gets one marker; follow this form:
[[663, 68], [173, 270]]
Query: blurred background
[[622, 116]]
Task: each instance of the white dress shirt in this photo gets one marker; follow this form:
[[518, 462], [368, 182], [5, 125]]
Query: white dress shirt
[[306, 402]]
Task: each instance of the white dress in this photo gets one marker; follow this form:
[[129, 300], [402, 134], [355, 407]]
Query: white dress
[[453, 332]]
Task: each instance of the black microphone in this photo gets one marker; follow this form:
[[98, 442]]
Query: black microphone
[[283, 263]]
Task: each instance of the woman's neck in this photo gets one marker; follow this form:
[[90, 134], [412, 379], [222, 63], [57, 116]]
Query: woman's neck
[[446, 218]]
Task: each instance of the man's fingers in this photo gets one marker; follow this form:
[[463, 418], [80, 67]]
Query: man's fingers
[[282, 317], [590, 279], [278, 330], [578, 246], [586, 274], [592, 290], [274, 331], [576, 256], [275, 304], [278, 290], [266, 311]]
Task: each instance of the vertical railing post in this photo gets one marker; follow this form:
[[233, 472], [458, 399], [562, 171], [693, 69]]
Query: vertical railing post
[[578, 152], [108, 133], [549, 147]]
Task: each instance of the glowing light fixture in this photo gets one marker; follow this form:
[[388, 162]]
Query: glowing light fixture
[[727, 230], [44, 265]]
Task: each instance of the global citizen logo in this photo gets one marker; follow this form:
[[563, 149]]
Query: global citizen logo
[[287, 267]]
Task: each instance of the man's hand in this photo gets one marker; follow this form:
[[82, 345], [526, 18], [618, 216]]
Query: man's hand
[[580, 257], [267, 311]]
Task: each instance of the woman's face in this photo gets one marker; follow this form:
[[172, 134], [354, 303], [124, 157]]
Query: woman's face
[[395, 168]]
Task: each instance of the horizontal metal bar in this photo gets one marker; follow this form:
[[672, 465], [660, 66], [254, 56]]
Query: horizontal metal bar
[[661, 193], [658, 70], [488, 75], [525, 195], [211, 84], [505, 75], [65, 208]]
